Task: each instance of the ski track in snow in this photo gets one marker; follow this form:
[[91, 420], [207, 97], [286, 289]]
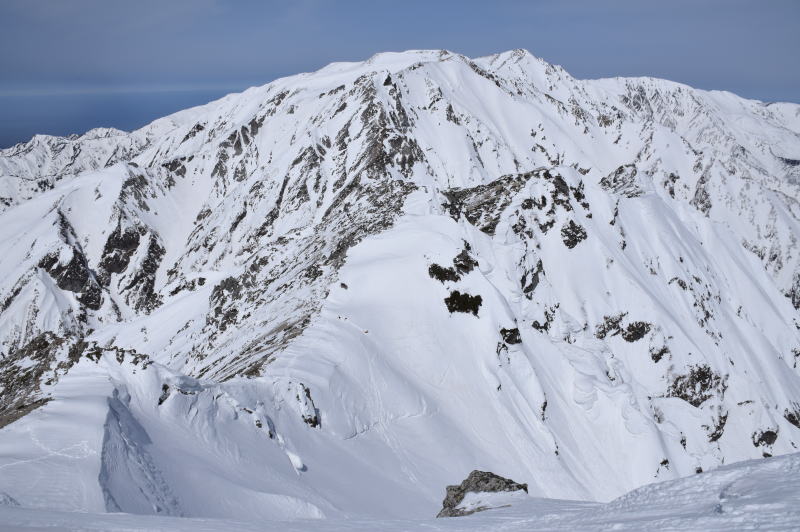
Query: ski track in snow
[[82, 451]]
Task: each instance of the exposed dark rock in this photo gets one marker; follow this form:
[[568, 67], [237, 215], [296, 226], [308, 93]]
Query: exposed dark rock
[[610, 326], [719, 428], [635, 331], [135, 190], [92, 296], [560, 195], [697, 386], [476, 482], [140, 290], [311, 417], [658, 353], [119, 247], [793, 293], [511, 336], [13, 295], [549, 316], [188, 285], [482, 205], [458, 302], [572, 234], [176, 166], [530, 280], [765, 438], [75, 277], [75, 352], [72, 276], [451, 115], [679, 282], [165, 393], [793, 415], [669, 183], [222, 296], [20, 386], [463, 262], [197, 128], [227, 288], [622, 181], [95, 352], [702, 199], [442, 274]]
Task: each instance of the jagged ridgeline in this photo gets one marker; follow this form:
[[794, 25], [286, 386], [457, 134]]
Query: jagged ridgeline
[[428, 262]]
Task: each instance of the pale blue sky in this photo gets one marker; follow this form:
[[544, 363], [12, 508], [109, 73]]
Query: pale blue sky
[[70, 65]]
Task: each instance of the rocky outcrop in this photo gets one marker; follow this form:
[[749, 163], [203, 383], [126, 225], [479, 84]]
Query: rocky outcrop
[[476, 482]]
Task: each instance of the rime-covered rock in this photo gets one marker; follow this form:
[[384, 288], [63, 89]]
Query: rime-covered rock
[[478, 482]]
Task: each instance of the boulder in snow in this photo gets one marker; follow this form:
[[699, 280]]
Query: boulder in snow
[[482, 490]]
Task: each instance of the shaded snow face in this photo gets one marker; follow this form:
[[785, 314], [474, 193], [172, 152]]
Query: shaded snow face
[[357, 285], [755, 495]]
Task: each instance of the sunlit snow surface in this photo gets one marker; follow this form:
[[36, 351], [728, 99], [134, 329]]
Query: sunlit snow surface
[[260, 333]]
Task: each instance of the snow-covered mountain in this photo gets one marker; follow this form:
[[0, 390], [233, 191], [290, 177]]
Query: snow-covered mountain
[[338, 293]]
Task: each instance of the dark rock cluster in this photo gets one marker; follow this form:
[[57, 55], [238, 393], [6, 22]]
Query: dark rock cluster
[[458, 302]]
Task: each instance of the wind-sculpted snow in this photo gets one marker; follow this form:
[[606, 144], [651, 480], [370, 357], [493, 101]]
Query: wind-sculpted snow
[[336, 294], [754, 495]]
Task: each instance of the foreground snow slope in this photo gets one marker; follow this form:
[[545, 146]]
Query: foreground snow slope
[[753, 495], [336, 294]]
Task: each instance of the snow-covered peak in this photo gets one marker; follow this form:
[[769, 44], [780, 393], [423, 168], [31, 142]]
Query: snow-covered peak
[[422, 261]]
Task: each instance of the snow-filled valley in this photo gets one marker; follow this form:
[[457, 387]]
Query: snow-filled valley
[[330, 297]]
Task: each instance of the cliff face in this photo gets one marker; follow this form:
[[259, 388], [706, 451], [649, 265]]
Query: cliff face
[[398, 271]]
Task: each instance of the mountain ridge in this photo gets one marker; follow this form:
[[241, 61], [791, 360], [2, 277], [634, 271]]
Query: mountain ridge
[[434, 266]]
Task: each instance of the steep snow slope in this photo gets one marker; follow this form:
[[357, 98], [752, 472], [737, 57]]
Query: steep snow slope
[[754, 495], [337, 293]]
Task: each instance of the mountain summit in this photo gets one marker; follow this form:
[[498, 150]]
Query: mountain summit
[[340, 292]]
